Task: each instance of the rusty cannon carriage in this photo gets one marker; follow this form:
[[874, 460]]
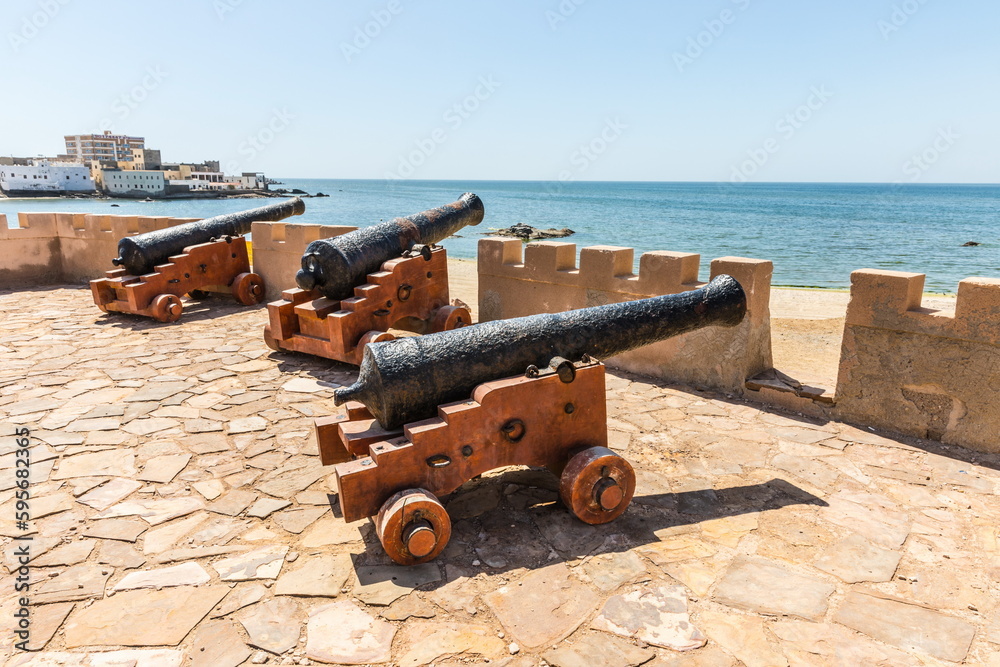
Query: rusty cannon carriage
[[194, 258], [429, 413], [353, 288]]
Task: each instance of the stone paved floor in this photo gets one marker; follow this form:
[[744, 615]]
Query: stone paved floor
[[181, 517]]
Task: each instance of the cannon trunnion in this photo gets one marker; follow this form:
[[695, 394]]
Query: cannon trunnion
[[195, 258], [430, 413]]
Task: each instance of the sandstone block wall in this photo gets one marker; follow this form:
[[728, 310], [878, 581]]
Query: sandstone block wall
[[29, 255], [544, 277], [278, 248], [49, 248], [918, 371]]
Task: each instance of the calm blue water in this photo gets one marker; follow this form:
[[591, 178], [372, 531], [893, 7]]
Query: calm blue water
[[815, 234]]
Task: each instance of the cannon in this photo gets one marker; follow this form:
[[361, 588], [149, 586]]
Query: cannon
[[429, 413], [193, 258], [353, 288]]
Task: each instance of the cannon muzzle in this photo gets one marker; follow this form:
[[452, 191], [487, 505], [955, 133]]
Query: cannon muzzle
[[337, 265], [404, 380], [140, 253]]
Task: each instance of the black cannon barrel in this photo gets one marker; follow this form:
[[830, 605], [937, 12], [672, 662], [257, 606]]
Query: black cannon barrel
[[404, 380], [337, 265], [140, 253]]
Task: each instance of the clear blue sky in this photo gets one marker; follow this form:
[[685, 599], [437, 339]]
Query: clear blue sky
[[200, 78]]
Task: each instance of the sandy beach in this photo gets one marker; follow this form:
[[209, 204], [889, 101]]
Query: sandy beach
[[806, 324]]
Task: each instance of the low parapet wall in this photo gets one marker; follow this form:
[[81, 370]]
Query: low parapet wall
[[53, 248], [543, 277], [278, 248], [919, 371]]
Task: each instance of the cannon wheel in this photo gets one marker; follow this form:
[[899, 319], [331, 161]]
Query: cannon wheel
[[269, 339], [413, 526], [248, 289], [167, 308], [597, 485], [447, 318], [198, 294]]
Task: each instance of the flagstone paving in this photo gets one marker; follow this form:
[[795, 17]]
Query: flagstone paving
[[180, 516]]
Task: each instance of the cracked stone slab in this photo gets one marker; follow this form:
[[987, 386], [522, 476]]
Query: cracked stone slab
[[657, 615], [382, 584], [768, 587], [271, 624], [109, 463], [609, 571], [185, 574], [322, 575], [430, 641], [218, 644], [264, 507], [78, 582], [298, 519], [142, 617], [596, 649], [855, 559], [542, 607], [233, 503], [908, 626], [239, 597], [163, 469], [125, 530], [263, 563], [105, 496], [155, 512], [342, 632]]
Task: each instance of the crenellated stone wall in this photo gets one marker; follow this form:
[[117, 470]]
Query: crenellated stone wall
[[543, 277], [918, 371], [53, 248], [278, 248]]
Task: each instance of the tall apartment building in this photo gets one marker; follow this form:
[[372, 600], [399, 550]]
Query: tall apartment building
[[107, 147]]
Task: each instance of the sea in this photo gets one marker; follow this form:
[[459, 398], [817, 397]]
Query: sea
[[814, 233]]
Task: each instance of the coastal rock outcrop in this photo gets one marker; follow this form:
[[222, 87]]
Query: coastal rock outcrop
[[529, 233]]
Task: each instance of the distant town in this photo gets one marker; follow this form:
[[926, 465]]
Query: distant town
[[117, 165]]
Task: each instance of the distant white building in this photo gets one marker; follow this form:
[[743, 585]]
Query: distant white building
[[45, 178], [134, 183]]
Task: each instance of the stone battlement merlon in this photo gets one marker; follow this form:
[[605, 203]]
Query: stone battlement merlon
[[292, 236], [893, 300], [611, 268]]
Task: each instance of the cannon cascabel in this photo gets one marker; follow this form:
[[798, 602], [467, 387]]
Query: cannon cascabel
[[335, 266], [140, 253], [404, 380]]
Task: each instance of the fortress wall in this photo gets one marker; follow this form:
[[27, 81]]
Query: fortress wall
[[919, 371], [544, 277], [29, 254], [278, 248]]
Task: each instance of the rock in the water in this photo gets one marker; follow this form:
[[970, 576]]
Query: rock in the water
[[529, 233], [656, 615], [344, 633], [969, 244]]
